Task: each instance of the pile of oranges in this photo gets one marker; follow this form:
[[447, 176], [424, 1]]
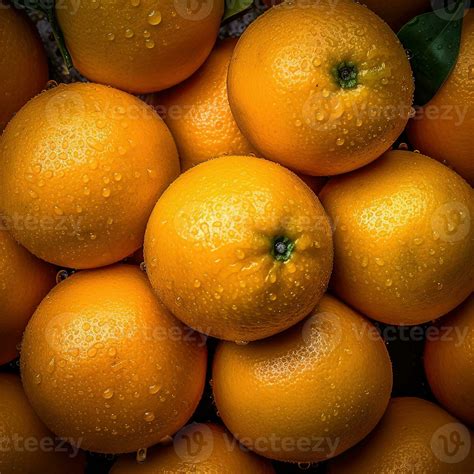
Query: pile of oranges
[[207, 245]]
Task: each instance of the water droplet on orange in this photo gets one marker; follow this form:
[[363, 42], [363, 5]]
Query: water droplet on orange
[[154, 18], [108, 394]]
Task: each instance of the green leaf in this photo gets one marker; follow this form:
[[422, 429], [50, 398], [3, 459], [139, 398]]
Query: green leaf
[[432, 42], [47, 7], [234, 7]]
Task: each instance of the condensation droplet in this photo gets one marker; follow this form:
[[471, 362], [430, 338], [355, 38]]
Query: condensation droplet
[[291, 267], [149, 416], [240, 254], [61, 276], [470, 73], [141, 455], [108, 394], [154, 389], [149, 43], [154, 18]]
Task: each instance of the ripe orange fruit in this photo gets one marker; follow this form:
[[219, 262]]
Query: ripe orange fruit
[[24, 282], [449, 362], [443, 128], [308, 393], [27, 446], [413, 436], [198, 112], [103, 361], [141, 46], [23, 66], [396, 14], [239, 248], [202, 448], [329, 93], [404, 242], [82, 168]]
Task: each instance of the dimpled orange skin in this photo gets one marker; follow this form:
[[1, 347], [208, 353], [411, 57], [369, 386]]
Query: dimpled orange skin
[[208, 248], [27, 445], [285, 97], [198, 112], [404, 241], [24, 282], [443, 128], [82, 167], [327, 378], [220, 454], [103, 361], [138, 45], [23, 64], [407, 440], [449, 362]]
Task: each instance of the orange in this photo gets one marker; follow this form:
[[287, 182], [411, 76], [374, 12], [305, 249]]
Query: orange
[[449, 361], [443, 128], [319, 86], [396, 14], [198, 112], [239, 248], [82, 168], [27, 447], [139, 46], [414, 436], [23, 65], [24, 282], [403, 241], [309, 393], [103, 361], [202, 448]]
